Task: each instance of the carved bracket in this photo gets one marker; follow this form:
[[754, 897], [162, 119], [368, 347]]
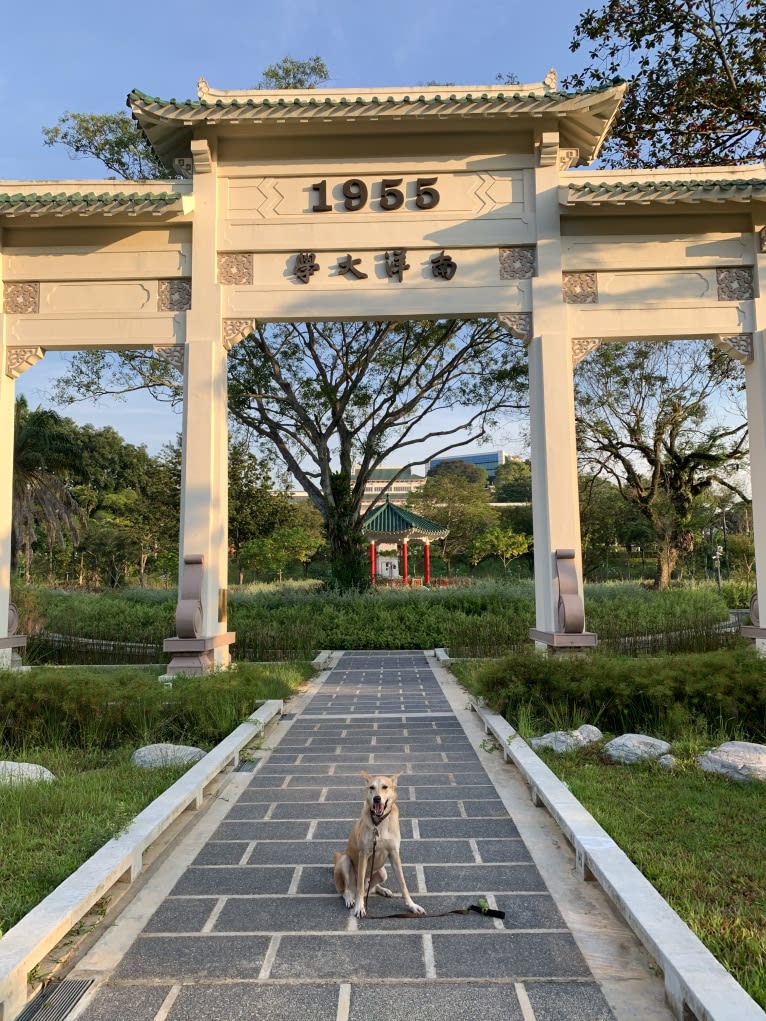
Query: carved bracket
[[583, 346], [235, 330], [571, 609], [548, 149], [736, 345], [174, 355], [202, 156], [519, 324], [19, 359]]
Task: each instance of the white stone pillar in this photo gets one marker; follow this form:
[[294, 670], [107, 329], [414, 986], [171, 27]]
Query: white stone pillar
[[7, 404], [755, 381], [204, 469], [555, 501]]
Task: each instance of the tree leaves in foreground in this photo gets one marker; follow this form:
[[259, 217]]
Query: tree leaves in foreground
[[644, 421], [697, 70], [113, 139]]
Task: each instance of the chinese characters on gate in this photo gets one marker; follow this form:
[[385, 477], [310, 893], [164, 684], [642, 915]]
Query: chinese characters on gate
[[355, 194]]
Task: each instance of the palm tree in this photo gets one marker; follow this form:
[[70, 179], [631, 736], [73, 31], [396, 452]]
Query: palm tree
[[45, 454]]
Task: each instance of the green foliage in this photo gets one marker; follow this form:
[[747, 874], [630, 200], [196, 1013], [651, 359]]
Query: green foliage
[[513, 482], [698, 79], [722, 691], [289, 73], [112, 138], [92, 708], [698, 838]]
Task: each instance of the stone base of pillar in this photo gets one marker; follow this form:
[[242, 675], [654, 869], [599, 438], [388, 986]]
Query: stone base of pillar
[[12, 644], [558, 641], [194, 656]]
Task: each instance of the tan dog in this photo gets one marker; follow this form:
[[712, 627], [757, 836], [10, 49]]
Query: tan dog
[[378, 827]]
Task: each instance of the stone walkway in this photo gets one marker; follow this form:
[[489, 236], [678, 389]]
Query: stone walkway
[[242, 922]]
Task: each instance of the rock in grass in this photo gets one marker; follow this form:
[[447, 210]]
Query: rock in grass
[[634, 747], [152, 756], [568, 740], [24, 772], [739, 760]]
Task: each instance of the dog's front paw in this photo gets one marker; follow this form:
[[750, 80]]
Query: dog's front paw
[[414, 908], [348, 900], [360, 910], [383, 891]]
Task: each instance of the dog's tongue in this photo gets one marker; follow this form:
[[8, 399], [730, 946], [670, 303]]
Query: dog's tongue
[[378, 808]]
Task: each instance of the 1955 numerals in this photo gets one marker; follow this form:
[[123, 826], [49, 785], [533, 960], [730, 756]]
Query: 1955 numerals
[[355, 194]]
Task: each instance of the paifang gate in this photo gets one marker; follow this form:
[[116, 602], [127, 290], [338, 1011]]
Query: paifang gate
[[382, 204]]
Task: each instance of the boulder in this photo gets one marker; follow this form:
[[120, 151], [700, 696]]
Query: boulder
[[634, 747], [568, 740], [667, 761], [740, 760], [152, 756], [24, 772]]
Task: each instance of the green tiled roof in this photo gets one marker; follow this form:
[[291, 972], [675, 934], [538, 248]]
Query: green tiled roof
[[584, 117], [646, 192], [65, 203], [391, 523]]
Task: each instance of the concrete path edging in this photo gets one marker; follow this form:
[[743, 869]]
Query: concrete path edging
[[121, 859], [697, 986]]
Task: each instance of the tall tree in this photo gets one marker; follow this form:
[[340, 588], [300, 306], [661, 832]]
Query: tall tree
[[113, 139], [513, 481], [289, 73], [697, 70], [460, 505], [332, 397], [646, 421]]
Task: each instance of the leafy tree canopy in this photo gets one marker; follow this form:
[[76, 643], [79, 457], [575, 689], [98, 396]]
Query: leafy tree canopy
[[697, 70], [112, 138], [289, 73]]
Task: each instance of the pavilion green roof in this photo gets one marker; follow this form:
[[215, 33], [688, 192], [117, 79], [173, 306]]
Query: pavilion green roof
[[107, 203], [391, 523], [648, 192]]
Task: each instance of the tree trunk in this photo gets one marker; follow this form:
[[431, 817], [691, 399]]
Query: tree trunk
[[348, 564], [667, 558]]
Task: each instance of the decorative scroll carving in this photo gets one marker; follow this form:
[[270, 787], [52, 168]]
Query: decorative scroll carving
[[580, 288], [737, 345], [202, 156], [735, 283], [235, 330], [755, 617], [174, 355], [22, 299], [568, 157], [235, 268], [518, 263], [581, 347], [174, 295], [13, 619], [517, 323], [19, 359], [762, 239], [189, 620], [571, 609]]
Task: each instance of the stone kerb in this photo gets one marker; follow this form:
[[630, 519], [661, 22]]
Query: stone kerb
[[696, 984], [121, 859]]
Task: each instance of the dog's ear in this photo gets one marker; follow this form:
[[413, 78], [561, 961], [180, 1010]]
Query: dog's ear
[[367, 777], [395, 777]]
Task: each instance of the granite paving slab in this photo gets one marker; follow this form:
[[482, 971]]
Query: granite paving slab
[[253, 929]]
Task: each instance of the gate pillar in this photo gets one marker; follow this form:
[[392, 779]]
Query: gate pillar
[[555, 499], [7, 405]]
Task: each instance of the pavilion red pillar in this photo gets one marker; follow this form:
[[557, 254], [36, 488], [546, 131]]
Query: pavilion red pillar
[[405, 579], [372, 561], [426, 563]]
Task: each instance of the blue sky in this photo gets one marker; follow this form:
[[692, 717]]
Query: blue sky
[[85, 56]]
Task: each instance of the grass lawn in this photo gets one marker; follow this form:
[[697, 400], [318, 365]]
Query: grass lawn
[[697, 837]]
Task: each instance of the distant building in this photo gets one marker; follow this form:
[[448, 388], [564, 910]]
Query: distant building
[[405, 484], [489, 460]]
